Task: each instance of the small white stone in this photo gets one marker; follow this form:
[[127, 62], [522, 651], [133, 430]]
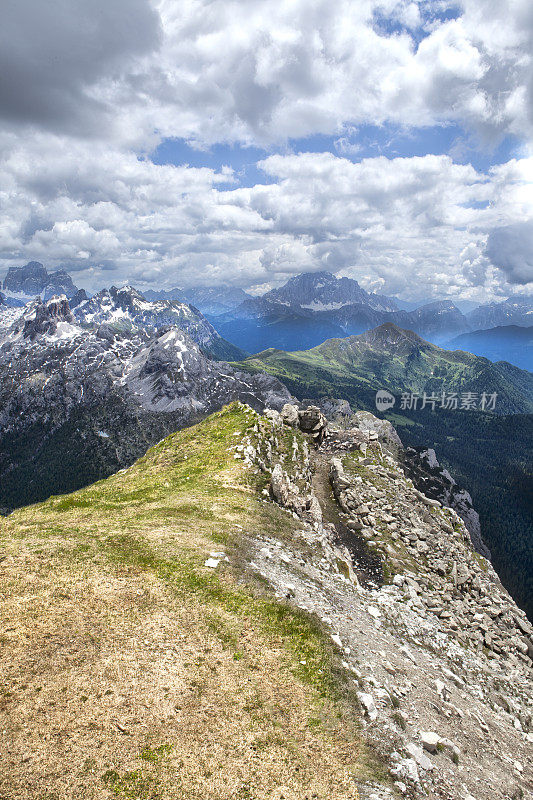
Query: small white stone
[[418, 754], [407, 653], [367, 701], [430, 741]]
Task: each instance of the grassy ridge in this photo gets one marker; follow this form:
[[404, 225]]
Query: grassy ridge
[[131, 670], [360, 367]]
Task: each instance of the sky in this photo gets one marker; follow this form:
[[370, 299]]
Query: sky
[[208, 142]]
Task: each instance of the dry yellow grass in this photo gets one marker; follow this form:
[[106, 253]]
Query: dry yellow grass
[[130, 670]]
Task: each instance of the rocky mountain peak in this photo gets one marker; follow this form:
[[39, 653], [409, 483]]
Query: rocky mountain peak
[[323, 291], [34, 279], [126, 296], [30, 279], [47, 317], [78, 298], [390, 336], [127, 307]]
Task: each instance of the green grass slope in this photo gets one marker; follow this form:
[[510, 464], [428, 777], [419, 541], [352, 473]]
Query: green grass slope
[[130, 669], [396, 360]]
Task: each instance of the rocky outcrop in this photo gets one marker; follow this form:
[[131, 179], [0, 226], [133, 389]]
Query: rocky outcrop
[[290, 415], [313, 422], [44, 318], [309, 419], [441, 656], [422, 466], [79, 297]]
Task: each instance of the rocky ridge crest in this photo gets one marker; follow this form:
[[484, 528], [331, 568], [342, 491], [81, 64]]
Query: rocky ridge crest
[[441, 655]]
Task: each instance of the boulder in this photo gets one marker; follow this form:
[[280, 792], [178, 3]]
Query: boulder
[[273, 415], [310, 417], [279, 485], [418, 754], [313, 421], [289, 415]]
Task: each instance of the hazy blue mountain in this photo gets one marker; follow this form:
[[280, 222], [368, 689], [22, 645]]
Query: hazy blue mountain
[[516, 310], [504, 343], [210, 300], [322, 291], [312, 307]]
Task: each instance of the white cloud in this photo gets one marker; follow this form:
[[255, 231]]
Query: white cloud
[[88, 85], [263, 70], [417, 226]]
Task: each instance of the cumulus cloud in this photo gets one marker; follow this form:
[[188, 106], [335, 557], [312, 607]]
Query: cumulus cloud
[[510, 248], [265, 70], [261, 71], [416, 226], [88, 88]]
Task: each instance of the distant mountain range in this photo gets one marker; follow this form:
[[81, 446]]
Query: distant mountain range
[[84, 392], [516, 310], [313, 307], [503, 343], [125, 309], [307, 310], [322, 291]]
